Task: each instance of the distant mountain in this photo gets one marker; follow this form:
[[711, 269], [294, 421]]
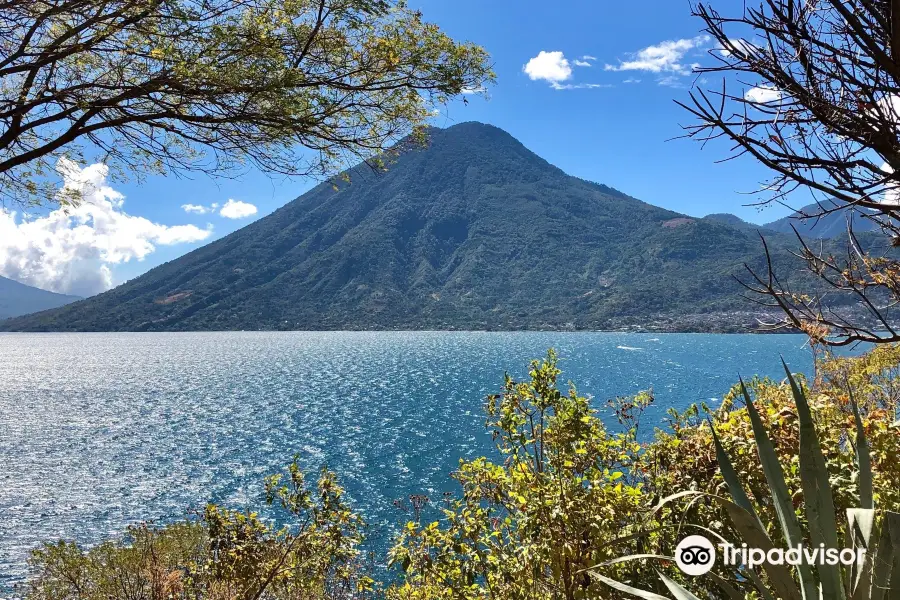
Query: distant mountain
[[474, 232], [731, 220], [829, 226], [19, 299]]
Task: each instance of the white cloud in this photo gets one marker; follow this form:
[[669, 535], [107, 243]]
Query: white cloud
[[235, 209], [665, 57], [71, 250], [581, 86], [671, 81], [548, 66], [469, 91], [588, 57], [554, 68], [632, 80], [199, 209], [887, 108], [741, 45], [763, 94], [891, 190]]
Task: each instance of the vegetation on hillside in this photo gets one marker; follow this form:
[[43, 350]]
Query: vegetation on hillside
[[476, 232], [869, 530], [821, 115], [546, 517]]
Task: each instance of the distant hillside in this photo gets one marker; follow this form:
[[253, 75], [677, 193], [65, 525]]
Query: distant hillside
[[19, 299], [735, 221], [829, 226], [474, 232]]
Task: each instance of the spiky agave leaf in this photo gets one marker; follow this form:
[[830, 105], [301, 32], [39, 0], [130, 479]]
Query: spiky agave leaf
[[817, 497], [863, 460], [781, 498], [877, 579]]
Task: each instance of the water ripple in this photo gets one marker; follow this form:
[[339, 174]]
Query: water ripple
[[101, 430]]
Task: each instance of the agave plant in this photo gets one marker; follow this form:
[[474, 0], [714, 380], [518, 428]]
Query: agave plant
[[877, 577]]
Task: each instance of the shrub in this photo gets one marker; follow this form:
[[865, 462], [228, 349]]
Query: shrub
[[551, 516], [223, 555], [529, 526], [877, 533]]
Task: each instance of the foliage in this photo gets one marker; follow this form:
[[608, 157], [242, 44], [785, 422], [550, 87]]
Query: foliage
[[684, 457], [812, 497], [453, 237], [565, 502], [226, 554], [296, 87], [529, 527], [490, 544]]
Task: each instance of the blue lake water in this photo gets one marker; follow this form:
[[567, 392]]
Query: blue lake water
[[101, 430]]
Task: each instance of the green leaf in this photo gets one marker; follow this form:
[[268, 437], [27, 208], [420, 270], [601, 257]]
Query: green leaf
[[735, 488], [676, 496], [886, 562], [753, 533], [817, 493], [781, 498], [726, 587], [677, 590], [758, 583], [863, 460], [861, 523], [626, 588]]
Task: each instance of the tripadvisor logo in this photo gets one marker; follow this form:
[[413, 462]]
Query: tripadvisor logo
[[696, 555]]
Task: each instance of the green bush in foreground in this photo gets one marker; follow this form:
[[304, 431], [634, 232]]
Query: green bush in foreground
[[528, 527], [225, 554], [877, 533], [550, 517]]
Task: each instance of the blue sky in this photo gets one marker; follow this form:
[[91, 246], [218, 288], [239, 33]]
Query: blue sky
[[607, 120]]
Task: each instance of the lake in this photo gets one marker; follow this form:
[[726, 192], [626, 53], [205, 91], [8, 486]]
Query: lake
[[101, 430]]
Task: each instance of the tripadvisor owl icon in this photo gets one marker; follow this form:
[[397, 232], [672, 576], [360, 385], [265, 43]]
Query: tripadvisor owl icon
[[695, 555]]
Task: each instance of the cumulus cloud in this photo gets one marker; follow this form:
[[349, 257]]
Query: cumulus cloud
[[555, 69], [665, 57], [741, 45], [891, 190], [588, 57], [552, 67], [235, 209], [763, 94], [199, 209], [72, 250]]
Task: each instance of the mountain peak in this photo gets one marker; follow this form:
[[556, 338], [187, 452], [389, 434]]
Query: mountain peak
[[19, 299], [810, 221], [479, 128], [473, 231]]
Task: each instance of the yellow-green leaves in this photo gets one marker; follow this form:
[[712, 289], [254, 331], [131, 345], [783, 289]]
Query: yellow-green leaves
[[531, 526], [299, 87], [226, 554]]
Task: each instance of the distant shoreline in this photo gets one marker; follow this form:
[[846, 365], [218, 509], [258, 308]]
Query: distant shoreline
[[402, 330]]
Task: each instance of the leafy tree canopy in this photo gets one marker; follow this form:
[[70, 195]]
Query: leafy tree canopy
[[294, 87]]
